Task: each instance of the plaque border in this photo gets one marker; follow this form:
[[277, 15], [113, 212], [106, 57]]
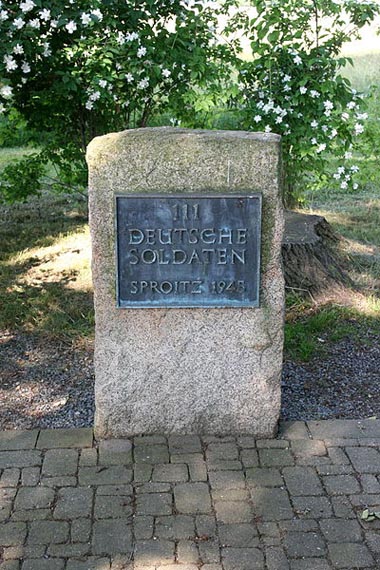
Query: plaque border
[[160, 305]]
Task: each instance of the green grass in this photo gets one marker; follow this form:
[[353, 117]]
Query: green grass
[[7, 155]]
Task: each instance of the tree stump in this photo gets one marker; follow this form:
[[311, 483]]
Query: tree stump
[[311, 255]]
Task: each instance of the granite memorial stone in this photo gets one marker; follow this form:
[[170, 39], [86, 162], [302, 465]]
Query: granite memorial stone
[[186, 232]]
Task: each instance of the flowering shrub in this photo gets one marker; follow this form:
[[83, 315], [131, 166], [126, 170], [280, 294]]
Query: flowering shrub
[[293, 86], [77, 69]]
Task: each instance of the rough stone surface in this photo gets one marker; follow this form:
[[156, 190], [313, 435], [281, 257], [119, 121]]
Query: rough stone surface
[[215, 371]]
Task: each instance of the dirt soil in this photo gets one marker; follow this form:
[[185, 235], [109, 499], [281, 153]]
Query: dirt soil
[[50, 384]]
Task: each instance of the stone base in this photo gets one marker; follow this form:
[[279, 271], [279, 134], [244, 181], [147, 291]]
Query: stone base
[[186, 370]]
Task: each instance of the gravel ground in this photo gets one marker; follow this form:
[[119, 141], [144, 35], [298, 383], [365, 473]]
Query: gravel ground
[[45, 384]]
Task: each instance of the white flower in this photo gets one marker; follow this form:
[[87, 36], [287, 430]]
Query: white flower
[[45, 14], [327, 113], [354, 168], [97, 14], [336, 175], [333, 133], [278, 119], [143, 84], [27, 5], [85, 19], [6, 92], [94, 96], [257, 118], [321, 148], [314, 94], [2, 108], [141, 51], [129, 37], [18, 49], [25, 67], [328, 105], [129, 77], [166, 73], [71, 27], [102, 83], [120, 38], [54, 23], [344, 185], [286, 78], [348, 155], [345, 116], [314, 124], [89, 105], [341, 169], [19, 23], [355, 186], [362, 116], [10, 62], [47, 50], [303, 90], [313, 141], [351, 105], [4, 15], [268, 129], [325, 128], [358, 128], [287, 88], [297, 60], [35, 23]]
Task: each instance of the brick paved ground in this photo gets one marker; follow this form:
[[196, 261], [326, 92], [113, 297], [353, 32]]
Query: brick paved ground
[[184, 502]]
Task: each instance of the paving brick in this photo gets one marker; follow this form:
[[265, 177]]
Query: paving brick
[[372, 539], [171, 473], [58, 462], [346, 555], [302, 481], [222, 451], [187, 552], [272, 444], [185, 444], [341, 484], [298, 544], [293, 430], [231, 495], [222, 480], [21, 551], [345, 429], [152, 487], [275, 457], [227, 465], [115, 452], [153, 552], [6, 497], [154, 504], [151, 454], [369, 483], [81, 530], [309, 448], [312, 507], [115, 490], [18, 439], [340, 530], [246, 441], [337, 456], [198, 471], [57, 438], [34, 498], [233, 511], [364, 459], [65, 481], [143, 527], [10, 477], [192, 498], [268, 529], [276, 559], [30, 476], [238, 535], [242, 559], [310, 564], [31, 515], [47, 532], [342, 507], [209, 552], [10, 565], [205, 526], [298, 525], [90, 563], [111, 537], [365, 500], [186, 458], [264, 477], [41, 564], [271, 504], [88, 457], [73, 503], [12, 533], [142, 472], [175, 527], [112, 506], [77, 550], [9, 459], [249, 458], [330, 469], [113, 475]]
